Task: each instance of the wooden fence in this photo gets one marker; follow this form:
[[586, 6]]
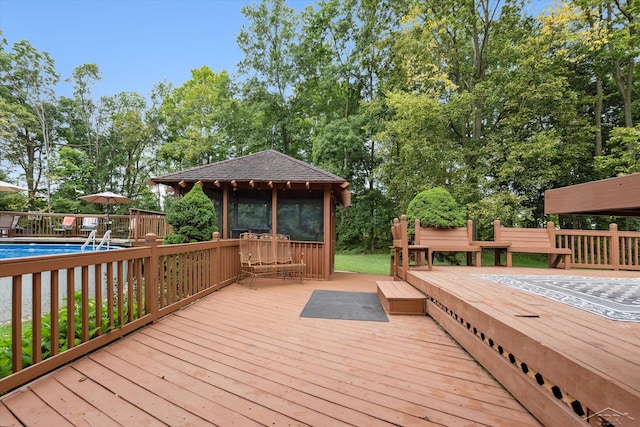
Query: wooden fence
[[134, 226], [602, 249]]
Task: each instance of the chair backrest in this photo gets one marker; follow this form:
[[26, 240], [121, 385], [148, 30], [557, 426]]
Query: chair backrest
[[68, 222], [6, 221], [283, 251], [267, 249], [89, 223], [249, 249], [530, 238], [455, 237]]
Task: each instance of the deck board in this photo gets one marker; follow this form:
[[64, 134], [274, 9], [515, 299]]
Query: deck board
[[592, 359], [246, 357]]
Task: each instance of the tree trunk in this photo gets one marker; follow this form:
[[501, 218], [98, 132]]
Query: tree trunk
[[598, 116]]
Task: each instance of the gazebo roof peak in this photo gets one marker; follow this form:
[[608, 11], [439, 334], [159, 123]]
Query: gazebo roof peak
[[268, 165]]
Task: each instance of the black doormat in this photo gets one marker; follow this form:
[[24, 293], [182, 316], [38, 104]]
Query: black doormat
[[613, 298], [345, 306]]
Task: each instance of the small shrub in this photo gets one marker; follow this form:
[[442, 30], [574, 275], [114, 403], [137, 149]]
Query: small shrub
[[437, 208], [193, 218]]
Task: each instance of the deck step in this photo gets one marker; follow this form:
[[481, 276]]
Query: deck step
[[398, 297]]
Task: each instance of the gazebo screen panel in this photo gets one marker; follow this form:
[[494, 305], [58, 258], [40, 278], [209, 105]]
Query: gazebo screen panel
[[249, 211], [300, 215]]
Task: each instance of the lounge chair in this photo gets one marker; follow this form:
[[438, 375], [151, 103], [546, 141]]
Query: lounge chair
[[15, 228], [68, 222], [5, 224], [89, 224]]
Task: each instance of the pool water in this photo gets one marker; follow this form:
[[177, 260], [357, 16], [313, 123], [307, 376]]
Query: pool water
[[36, 249]]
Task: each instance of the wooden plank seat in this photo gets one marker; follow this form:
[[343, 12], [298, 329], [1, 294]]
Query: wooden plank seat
[[454, 239], [398, 297], [532, 240], [263, 255]]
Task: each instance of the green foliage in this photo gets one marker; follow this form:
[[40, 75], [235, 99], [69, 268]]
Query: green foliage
[[502, 205], [365, 226], [193, 218], [624, 153], [63, 325], [435, 207]]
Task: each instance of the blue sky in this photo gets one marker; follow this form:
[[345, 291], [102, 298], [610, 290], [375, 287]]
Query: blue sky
[[135, 43]]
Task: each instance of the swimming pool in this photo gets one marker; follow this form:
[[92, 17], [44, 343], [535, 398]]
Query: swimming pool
[[36, 249]]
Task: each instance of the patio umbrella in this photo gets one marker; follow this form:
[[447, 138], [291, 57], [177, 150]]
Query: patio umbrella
[[8, 187], [108, 198]]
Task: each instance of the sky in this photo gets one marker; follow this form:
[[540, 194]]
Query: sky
[[135, 43]]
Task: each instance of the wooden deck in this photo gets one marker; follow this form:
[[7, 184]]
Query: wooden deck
[[564, 364], [243, 356]]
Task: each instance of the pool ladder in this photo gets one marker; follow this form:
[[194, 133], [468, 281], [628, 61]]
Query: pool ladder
[[106, 241]]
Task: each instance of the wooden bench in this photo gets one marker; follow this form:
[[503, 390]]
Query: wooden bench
[[399, 297], [402, 249], [532, 240], [263, 255], [455, 239]]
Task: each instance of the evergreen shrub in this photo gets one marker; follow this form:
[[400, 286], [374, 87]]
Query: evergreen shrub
[[193, 218]]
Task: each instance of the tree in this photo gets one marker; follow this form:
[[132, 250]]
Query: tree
[[193, 218], [27, 80], [200, 121], [271, 73]]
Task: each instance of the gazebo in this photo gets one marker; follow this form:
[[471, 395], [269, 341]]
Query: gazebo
[[270, 192]]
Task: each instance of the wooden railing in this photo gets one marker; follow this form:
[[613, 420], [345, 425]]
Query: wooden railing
[[134, 226], [80, 302], [90, 299], [143, 222], [604, 249]]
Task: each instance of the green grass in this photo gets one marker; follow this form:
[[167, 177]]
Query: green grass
[[379, 263], [363, 263]]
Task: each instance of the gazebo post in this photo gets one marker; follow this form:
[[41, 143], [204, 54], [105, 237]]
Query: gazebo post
[[225, 212], [274, 210], [326, 268]]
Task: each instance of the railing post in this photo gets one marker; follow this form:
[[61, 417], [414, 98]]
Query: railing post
[[214, 261], [615, 246], [151, 277]]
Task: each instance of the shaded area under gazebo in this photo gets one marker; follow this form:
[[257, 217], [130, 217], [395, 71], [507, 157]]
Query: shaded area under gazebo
[[270, 192]]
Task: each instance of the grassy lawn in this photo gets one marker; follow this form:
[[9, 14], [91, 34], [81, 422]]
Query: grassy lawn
[[379, 263], [363, 263]]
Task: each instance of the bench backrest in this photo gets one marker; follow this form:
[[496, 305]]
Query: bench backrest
[[263, 249], [527, 238], [455, 237]]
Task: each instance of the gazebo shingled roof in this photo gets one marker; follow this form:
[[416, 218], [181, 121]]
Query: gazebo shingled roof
[[265, 166]]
